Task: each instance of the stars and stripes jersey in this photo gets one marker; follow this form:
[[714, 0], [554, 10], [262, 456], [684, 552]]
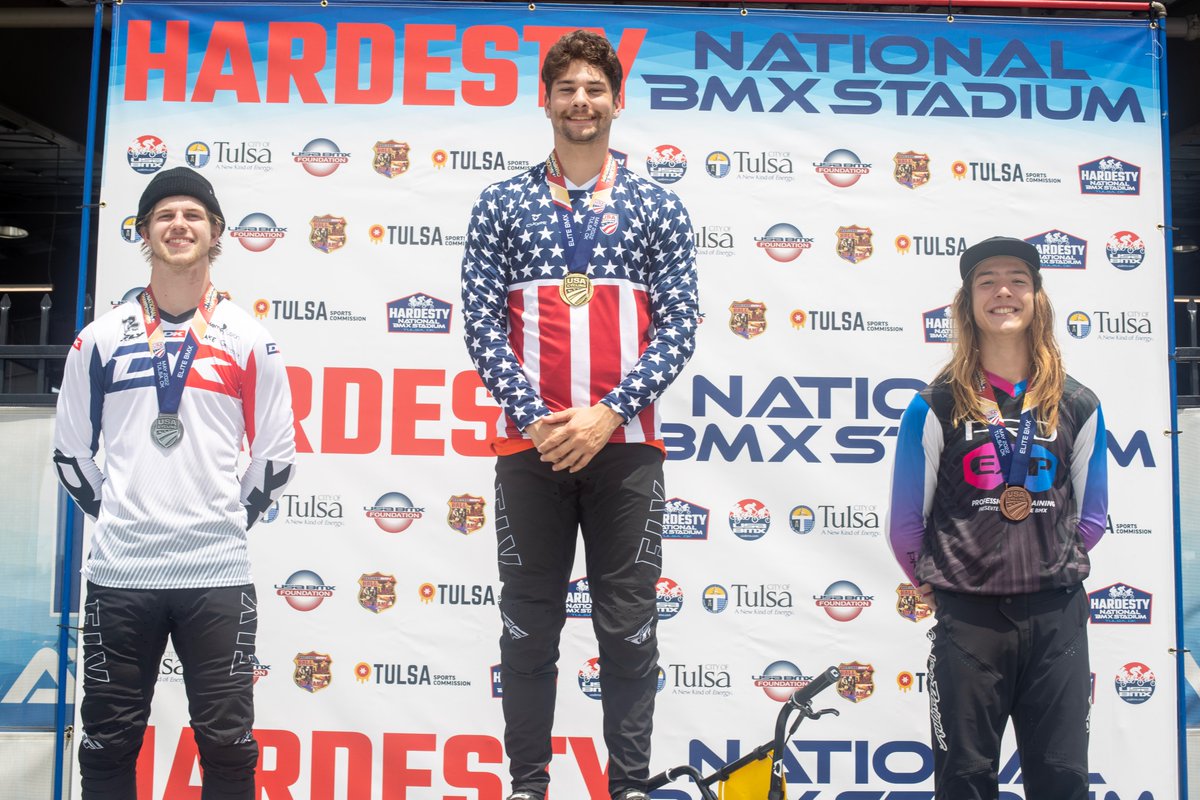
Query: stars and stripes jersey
[[945, 525], [535, 353], [173, 518]]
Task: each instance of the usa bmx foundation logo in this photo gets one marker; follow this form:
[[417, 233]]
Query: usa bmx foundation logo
[[783, 242], [842, 168], [304, 590], [321, 157], [781, 679], [393, 512], [843, 601], [257, 232]]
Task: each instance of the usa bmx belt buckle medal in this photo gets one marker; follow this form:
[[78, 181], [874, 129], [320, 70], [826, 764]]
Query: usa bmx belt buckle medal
[[166, 430], [1016, 503], [576, 289]]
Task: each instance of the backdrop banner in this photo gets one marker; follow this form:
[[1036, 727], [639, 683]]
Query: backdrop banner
[[834, 165]]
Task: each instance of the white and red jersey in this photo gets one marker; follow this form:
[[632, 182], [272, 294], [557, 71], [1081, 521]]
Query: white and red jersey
[[177, 517], [536, 353]]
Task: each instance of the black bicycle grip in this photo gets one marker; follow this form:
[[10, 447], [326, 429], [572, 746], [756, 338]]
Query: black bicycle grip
[[817, 685]]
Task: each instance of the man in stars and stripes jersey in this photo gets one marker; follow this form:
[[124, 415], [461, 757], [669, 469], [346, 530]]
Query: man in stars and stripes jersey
[[580, 308], [172, 382]]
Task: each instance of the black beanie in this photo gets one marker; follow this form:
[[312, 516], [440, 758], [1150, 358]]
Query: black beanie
[[178, 181]]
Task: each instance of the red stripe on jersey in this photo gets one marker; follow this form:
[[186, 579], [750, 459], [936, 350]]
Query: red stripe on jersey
[[554, 368], [516, 340], [644, 324], [249, 384], [605, 334]]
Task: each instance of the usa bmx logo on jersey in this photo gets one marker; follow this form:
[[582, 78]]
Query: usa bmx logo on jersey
[[579, 599], [609, 223], [938, 324], [1125, 250], [321, 157], [781, 679], [715, 598], [856, 682], [313, 672], [1120, 604], [376, 591], [147, 154], [666, 163], [749, 519], [1135, 683], [668, 598], [910, 605], [418, 313], [304, 590], [1079, 324], [1110, 175], [1060, 250], [197, 155], [717, 165], [842, 168], [802, 519], [589, 678], [393, 512], [843, 601], [257, 232], [783, 242], [911, 169], [684, 520]]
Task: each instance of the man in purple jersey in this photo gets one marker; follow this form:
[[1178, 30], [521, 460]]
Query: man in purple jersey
[[999, 492]]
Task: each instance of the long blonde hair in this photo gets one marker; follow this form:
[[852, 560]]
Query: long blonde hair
[[1044, 385]]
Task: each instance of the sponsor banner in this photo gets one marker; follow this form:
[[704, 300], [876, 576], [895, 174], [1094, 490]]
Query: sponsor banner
[[834, 167]]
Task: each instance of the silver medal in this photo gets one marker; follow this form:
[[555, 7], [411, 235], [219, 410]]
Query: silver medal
[[166, 430]]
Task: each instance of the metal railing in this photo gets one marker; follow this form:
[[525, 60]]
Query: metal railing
[[1187, 356], [27, 371]]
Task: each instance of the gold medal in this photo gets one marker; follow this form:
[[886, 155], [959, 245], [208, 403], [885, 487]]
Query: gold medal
[[1016, 503], [576, 289]]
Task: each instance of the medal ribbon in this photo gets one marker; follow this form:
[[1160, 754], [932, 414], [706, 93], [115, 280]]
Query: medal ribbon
[[1014, 460], [578, 248], [169, 383]]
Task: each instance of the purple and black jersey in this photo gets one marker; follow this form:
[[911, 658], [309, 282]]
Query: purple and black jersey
[[946, 528]]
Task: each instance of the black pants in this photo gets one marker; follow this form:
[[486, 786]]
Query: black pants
[[1022, 656], [124, 634], [616, 501]]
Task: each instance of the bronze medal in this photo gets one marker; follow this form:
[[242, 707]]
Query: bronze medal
[[576, 289], [166, 430], [1016, 503]]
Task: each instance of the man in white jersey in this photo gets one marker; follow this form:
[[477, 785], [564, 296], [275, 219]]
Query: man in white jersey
[[172, 381]]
